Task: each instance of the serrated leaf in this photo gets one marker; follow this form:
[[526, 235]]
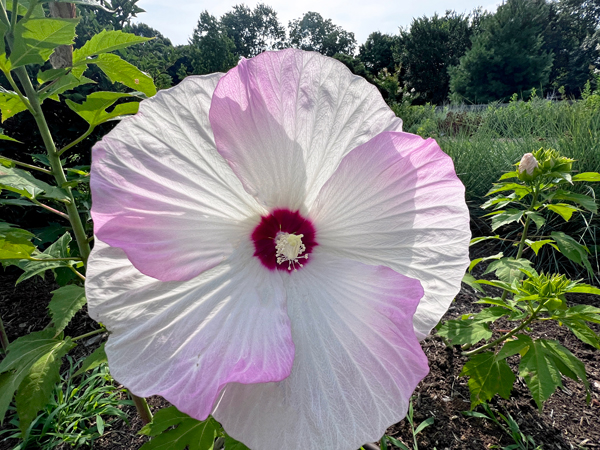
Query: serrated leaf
[[22, 354], [587, 176], [36, 39], [59, 249], [66, 302], [188, 432], [488, 376], [537, 219], [66, 83], [25, 184], [506, 217], [95, 359], [583, 332], [585, 289], [520, 190], [491, 314], [470, 280], [119, 70], [459, 332], [93, 109], [104, 42], [572, 249], [35, 389], [586, 201], [563, 210], [10, 104], [567, 362], [537, 245], [508, 269]]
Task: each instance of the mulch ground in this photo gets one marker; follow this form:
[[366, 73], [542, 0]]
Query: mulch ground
[[566, 421]]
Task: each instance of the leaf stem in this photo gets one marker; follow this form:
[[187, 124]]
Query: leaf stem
[[142, 408], [74, 258], [49, 208], [91, 333], [76, 141], [29, 166], [81, 277], [18, 91], [13, 17]]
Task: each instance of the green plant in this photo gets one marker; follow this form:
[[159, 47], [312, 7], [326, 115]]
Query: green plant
[[76, 413], [522, 441], [385, 440]]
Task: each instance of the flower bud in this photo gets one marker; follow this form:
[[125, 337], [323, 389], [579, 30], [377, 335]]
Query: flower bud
[[526, 167]]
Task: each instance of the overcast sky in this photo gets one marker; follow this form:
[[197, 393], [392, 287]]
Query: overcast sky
[[176, 19]]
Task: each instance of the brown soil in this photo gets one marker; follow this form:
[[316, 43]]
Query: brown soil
[[566, 421]]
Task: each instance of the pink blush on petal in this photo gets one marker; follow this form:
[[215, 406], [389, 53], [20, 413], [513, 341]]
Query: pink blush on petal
[[281, 221]]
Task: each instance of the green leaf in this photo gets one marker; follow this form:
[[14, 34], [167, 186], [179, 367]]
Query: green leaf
[[585, 289], [506, 217], [15, 243], [93, 109], [470, 280], [66, 83], [567, 362], [104, 42], [520, 190], [232, 444], [10, 104], [459, 332], [119, 70], [572, 249], [491, 314], [508, 269], [487, 258], [36, 39], [537, 219], [513, 174], [496, 301], [537, 245], [563, 210], [586, 201], [188, 432], [35, 389], [66, 302], [60, 249], [99, 424], [22, 354], [481, 239], [24, 5], [488, 376], [587, 176], [583, 332], [513, 347], [94, 360], [4, 137], [25, 184]]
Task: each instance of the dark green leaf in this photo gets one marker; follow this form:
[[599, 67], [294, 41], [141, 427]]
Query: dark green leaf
[[66, 83], [537, 219], [572, 249], [97, 358], [580, 329], [587, 176], [488, 376], [232, 444], [513, 347], [119, 70], [36, 39], [491, 314], [104, 42], [66, 302], [25, 184], [60, 249], [470, 280], [586, 201], [459, 332]]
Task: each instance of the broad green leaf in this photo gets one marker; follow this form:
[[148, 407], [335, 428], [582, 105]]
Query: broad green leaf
[[232, 444], [488, 376], [104, 42], [481, 239], [496, 301], [22, 354], [15, 243], [10, 104], [94, 360], [513, 347], [537, 245], [520, 190], [508, 269], [25, 184], [487, 258], [513, 174], [8, 138], [38, 10], [459, 332], [585, 289], [35, 389], [587, 176], [60, 249], [188, 433], [498, 202], [491, 314], [537, 219], [572, 249], [66, 302], [36, 39], [563, 210], [567, 362], [506, 217], [586, 201], [470, 280], [499, 284], [93, 109], [119, 70], [66, 83], [580, 329], [50, 75]]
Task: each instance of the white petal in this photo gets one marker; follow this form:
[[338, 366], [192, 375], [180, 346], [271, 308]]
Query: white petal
[[186, 340], [162, 193], [396, 201], [357, 362], [284, 120]]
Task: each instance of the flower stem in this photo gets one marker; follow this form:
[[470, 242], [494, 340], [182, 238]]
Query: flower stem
[[57, 169], [142, 408]]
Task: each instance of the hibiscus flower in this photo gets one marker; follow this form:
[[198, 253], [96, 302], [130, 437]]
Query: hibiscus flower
[[270, 248]]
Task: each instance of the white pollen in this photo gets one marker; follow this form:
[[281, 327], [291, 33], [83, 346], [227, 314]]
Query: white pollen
[[288, 248]]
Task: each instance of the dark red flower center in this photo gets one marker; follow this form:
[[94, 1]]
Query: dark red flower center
[[283, 240]]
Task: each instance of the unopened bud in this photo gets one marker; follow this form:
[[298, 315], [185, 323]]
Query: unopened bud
[[528, 163]]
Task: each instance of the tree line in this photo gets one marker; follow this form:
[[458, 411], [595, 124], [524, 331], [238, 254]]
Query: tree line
[[550, 46]]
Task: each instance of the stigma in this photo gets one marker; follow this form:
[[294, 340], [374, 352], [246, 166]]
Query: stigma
[[289, 248]]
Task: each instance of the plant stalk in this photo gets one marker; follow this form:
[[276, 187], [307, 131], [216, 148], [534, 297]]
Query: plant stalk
[[142, 408], [3, 337], [91, 333]]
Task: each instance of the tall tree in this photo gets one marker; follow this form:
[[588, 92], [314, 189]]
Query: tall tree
[[507, 55], [211, 49], [312, 32], [254, 31], [377, 52], [428, 49]]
